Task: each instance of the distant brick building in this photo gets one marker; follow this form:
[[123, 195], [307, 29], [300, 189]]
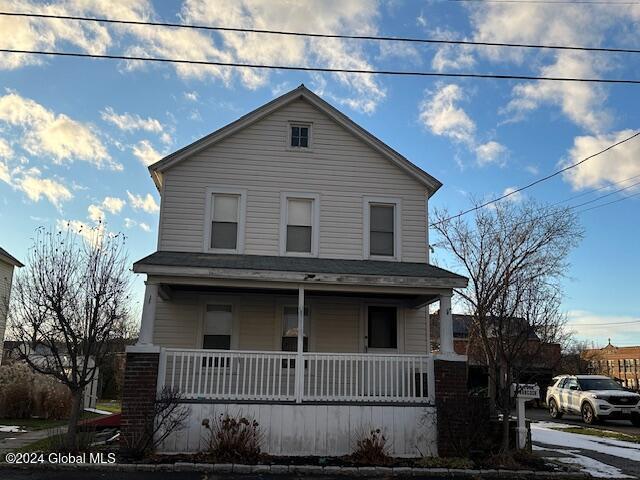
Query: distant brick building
[[542, 367], [619, 363]]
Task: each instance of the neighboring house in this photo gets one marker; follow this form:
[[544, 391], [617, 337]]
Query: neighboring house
[[7, 264], [620, 363], [543, 361], [291, 283], [15, 351]]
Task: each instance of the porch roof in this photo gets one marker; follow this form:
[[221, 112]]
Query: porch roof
[[298, 264]]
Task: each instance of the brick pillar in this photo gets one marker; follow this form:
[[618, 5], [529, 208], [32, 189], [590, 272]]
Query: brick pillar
[[138, 395], [451, 402]]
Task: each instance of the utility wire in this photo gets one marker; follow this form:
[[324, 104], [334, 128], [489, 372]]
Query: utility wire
[[536, 182], [321, 35], [601, 324], [321, 69], [610, 184]]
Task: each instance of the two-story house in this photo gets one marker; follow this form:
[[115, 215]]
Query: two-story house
[[291, 283]]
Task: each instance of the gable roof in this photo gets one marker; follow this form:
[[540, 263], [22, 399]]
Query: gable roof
[[10, 259], [300, 92]]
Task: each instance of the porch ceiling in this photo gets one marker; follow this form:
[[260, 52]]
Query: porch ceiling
[[255, 271]]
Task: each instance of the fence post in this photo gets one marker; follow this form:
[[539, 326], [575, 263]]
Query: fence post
[[162, 369], [299, 373]]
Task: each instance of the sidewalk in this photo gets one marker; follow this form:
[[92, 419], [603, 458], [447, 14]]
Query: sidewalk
[[20, 440]]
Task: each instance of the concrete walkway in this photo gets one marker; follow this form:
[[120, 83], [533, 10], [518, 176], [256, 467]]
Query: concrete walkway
[[19, 440]]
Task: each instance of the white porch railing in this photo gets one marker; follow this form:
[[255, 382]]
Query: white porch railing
[[271, 376]]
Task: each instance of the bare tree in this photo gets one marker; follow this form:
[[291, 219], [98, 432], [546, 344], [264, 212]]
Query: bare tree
[[68, 303], [515, 256]]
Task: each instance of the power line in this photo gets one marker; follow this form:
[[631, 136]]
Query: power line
[[540, 180], [627, 197], [322, 35], [322, 69], [592, 190], [604, 324]]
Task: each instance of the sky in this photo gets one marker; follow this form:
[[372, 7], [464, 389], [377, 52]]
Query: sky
[[77, 135]]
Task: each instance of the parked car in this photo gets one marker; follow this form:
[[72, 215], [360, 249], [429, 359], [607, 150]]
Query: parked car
[[594, 397]]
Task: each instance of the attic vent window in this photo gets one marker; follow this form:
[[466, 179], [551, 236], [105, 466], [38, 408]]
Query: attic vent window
[[300, 136]]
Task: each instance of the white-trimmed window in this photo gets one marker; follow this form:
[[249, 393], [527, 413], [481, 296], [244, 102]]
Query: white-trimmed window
[[218, 327], [290, 329], [381, 233], [299, 224], [225, 219], [299, 135]]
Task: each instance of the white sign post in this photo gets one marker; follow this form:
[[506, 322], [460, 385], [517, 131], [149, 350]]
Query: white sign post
[[523, 392]]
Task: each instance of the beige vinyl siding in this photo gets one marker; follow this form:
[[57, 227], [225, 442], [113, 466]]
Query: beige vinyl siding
[[415, 330], [6, 278], [339, 167], [336, 324]]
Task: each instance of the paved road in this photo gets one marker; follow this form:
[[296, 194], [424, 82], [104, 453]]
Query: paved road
[[623, 426]]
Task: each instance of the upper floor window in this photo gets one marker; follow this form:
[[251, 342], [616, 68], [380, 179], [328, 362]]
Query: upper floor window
[[382, 225], [225, 220], [300, 135], [299, 224]]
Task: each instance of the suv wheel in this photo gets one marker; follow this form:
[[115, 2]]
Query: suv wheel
[[635, 420], [554, 411], [588, 415]]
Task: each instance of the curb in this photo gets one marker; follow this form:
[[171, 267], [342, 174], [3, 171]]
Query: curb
[[301, 469]]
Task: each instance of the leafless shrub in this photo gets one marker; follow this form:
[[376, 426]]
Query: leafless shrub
[[372, 449], [233, 439], [168, 416]]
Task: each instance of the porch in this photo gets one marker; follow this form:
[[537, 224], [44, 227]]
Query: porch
[[246, 376], [317, 358]]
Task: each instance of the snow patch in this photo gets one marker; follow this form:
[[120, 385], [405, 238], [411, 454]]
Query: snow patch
[[541, 433], [11, 429], [592, 466], [95, 410]]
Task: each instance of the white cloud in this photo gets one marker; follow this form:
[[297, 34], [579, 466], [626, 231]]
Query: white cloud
[[5, 149], [191, 96], [451, 57], [45, 133], [600, 328], [92, 234], [131, 122], [491, 153], [583, 104], [140, 202], [616, 165], [440, 113], [363, 92], [113, 204], [35, 187], [96, 213], [513, 197], [130, 223], [145, 152]]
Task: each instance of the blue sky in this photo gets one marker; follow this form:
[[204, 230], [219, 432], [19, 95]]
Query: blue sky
[[76, 135]]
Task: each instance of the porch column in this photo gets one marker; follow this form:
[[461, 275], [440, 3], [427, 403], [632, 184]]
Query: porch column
[[148, 314], [300, 358], [446, 325]]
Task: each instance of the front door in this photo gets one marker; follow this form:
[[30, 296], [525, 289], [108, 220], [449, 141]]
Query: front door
[[381, 329]]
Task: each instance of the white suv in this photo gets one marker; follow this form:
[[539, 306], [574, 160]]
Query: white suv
[[595, 397]]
